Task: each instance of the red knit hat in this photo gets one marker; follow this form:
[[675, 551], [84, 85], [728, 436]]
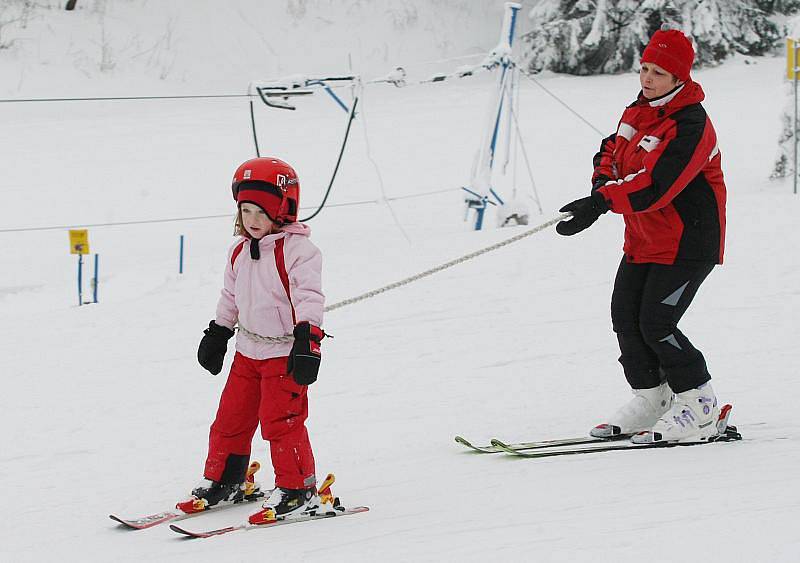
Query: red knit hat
[[671, 50]]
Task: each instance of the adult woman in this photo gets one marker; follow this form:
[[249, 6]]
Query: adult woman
[[662, 171]]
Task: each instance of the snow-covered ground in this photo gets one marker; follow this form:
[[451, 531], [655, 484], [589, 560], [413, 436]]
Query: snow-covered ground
[[104, 408]]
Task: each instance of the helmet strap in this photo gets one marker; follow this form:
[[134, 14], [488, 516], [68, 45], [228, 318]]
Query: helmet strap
[[255, 251]]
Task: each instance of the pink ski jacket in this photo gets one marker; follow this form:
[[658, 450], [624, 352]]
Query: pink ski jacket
[[254, 296]]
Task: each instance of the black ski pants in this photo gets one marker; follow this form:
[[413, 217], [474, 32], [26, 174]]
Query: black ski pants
[[646, 305]]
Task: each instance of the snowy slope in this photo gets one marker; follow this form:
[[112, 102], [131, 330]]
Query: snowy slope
[[104, 408]]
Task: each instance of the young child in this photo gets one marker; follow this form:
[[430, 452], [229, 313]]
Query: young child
[[662, 171], [272, 288]]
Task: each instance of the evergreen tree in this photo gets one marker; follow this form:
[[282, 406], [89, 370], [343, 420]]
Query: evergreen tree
[[606, 36], [784, 159]]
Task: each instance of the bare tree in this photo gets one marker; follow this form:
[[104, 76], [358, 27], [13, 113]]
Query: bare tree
[[6, 22]]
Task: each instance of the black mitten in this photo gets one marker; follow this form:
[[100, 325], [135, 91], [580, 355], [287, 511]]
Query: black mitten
[[213, 346], [585, 211], [599, 182], [305, 356]]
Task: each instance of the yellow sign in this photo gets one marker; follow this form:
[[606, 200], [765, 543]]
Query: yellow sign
[[791, 63], [78, 241]]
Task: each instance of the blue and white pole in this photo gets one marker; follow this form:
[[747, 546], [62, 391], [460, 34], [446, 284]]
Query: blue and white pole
[[480, 191]]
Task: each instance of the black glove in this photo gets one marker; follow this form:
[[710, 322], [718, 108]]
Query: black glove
[[213, 346], [585, 211], [599, 182], [305, 355]]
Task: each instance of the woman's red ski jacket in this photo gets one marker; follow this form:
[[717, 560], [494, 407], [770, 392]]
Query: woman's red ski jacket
[[662, 171]]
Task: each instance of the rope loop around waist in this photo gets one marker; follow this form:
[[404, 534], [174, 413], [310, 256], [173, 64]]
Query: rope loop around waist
[[265, 339]]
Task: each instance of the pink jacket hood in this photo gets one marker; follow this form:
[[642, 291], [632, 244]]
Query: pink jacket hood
[[297, 229]]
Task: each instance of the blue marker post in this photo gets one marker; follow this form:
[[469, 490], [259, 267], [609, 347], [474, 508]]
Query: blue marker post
[[80, 280], [180, 259], [94, 280], [79, 244]]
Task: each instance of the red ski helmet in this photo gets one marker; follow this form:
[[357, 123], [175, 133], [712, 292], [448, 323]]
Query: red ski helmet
[[272, 185]]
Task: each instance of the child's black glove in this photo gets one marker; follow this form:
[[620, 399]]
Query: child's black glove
[[305, 355], [585, 211], [213, 346]]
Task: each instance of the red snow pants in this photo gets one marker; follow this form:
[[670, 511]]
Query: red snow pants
[[260, 391]]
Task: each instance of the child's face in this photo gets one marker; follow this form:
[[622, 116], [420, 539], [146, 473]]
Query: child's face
[[655, 81], [255, 220]]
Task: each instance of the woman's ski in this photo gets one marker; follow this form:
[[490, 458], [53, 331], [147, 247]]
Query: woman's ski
[[577, 446], [730, 435], [498, 446]]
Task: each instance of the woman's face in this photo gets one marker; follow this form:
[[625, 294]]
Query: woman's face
[[255, 220], [655, 81]]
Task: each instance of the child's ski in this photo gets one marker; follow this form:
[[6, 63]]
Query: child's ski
[[151, 520], [339, 511], [174, 515], [188, 509]]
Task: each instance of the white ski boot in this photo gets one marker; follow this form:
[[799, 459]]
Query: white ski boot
[[638, 414], [692, 418]]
